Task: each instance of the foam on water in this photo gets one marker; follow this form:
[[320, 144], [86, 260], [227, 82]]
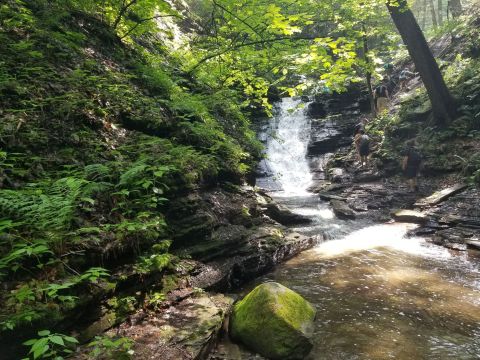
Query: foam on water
[[391, 236]]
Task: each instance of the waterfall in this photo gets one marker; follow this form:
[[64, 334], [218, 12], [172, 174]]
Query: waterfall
[[286, 149]]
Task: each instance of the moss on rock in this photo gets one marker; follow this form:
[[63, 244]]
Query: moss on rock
[[274, 321]]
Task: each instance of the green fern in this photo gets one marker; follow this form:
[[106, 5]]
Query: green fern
[[97, 172], [133, 173], [47, 207]]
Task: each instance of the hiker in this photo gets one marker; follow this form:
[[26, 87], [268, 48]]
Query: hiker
[[404, 77], [381, 96], [360, 126], [388, 67], [411, 163], [362, 144]]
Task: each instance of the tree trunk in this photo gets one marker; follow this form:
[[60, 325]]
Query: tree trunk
[[443, 104], [455, 7], [440, 12], [368, 73], [434, 15], [424, 14]]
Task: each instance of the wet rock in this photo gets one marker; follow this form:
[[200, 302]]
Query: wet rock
[[322, 144], [440, 196], [185, 331], [410, 216], [474, 244], [330, 134], [265, 247], [423, 231], [429, 228], [274, 94], [105, 322], [275, 322], [348, 101], [224, 241], [369, 175], [316, 110], [449, 245], [325, 186], [284, 216], [193, 228], [342, 210], [451, 235], [328, 197], [337, 175], [456, 246], [358, 205]]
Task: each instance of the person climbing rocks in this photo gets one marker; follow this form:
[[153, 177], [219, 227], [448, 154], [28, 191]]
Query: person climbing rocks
[[404, 77], [388, 67], [360, 126], [362, 144], [381, 96], [412, 160]]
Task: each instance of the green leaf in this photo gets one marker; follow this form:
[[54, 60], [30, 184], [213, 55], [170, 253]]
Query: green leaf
[[57, 340], [70, 339], [44, 333], [40, 351], [39, 347], [30, 342]]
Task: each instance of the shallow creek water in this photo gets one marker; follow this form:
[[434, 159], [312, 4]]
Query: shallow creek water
[[382, 296], [378, 294]]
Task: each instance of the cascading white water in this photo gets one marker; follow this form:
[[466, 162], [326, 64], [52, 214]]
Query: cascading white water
[[287, 147]]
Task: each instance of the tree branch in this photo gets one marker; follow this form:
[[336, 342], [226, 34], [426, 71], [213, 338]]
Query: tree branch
[[122, 12], [244, 22], [244, 44], [140, 22]]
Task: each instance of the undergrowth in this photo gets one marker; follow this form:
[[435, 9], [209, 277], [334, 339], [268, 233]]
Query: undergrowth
[[96, 136], [455, 146]]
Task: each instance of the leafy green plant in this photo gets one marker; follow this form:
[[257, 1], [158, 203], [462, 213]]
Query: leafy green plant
[[50, 346], [154, 300], [105, 347], [154, 262], [21, 251], [51, 206], [37, 299]]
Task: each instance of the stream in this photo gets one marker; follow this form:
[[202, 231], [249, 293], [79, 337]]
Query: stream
[[378, 293]]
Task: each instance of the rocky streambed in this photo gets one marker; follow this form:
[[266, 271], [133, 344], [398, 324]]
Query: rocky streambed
[[379, 279], [361, 280]]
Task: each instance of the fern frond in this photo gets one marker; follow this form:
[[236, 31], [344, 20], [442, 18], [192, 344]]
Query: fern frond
[[47, 207]]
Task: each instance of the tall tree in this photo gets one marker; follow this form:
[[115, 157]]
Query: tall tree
[[434, 15], [443, 104], [440, 12], [455, 7], [424, 14]]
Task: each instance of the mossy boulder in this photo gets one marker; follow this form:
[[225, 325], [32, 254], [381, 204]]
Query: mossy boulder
[[274, 321]]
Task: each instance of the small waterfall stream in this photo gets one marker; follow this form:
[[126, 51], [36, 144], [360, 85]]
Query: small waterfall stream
[[379, 295], [286, 149]]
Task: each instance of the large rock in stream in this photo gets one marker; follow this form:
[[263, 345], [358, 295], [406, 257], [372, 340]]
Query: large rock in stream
[[342, 210], [275, 322], [284, 215]]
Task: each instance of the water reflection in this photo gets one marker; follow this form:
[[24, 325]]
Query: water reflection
[[380, 295]]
